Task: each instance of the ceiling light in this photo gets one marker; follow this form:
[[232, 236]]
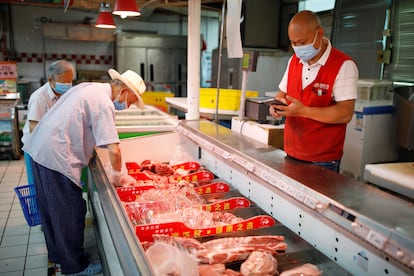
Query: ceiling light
[[126, 8], [105, 19]]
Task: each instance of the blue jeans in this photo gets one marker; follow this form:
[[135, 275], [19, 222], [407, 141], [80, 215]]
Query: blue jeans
[[62, 211], [331, 165]]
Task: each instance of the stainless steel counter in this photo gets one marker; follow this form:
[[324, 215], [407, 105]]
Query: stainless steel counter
[[363, 229], [180, 103]]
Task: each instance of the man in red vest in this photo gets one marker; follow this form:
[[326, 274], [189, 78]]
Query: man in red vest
[[319, 87]]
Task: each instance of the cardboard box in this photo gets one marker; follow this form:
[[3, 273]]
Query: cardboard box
[[229, 99], [265, 133]]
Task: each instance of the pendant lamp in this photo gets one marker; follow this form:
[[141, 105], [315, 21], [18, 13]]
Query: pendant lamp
[[125, 8], [105, 19]]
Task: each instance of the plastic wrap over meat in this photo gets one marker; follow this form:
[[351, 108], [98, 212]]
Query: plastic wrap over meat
[[168, 260], [194, 218], [178, 196], [303, 270]]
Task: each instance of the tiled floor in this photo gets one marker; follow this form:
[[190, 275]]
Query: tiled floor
[[22, 248]]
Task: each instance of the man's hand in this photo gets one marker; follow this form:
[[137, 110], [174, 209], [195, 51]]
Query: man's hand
[[275, 109]]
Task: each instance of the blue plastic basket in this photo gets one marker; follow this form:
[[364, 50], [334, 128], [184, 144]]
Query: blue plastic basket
[[27, 197]]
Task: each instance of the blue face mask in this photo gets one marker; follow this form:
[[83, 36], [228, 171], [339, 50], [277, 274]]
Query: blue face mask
[[306, 52], [120, 106], [62, 87]]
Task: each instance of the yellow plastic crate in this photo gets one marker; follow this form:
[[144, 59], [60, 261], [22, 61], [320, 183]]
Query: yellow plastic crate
[[157, 99], [229, 99]]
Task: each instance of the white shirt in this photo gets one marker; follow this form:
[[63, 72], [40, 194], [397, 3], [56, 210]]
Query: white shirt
[[40, 102], [345, 85], [64, 140]]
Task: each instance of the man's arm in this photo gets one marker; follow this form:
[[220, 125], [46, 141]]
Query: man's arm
[[115, 156], [32, 125], [339, 113]]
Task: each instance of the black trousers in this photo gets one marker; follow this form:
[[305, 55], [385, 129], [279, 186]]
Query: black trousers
[[62, 210]]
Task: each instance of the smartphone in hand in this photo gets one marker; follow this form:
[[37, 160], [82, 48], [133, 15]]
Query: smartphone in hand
[[273, 101]]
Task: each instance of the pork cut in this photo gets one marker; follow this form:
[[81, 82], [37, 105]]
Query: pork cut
[[259, 264], [303, 270], [216, 270], [226, 250]]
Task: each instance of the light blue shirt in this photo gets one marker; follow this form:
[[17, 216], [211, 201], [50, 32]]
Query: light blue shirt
[[40, 102], [64, 140]]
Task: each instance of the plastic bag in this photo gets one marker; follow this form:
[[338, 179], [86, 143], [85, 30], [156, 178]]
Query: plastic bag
[[180, 156], [166, 260]]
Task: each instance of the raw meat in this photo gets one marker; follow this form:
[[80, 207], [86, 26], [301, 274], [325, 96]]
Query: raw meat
[[167, 260], [226, 250], [231, 249], [158, 168], [211, 270], [259, 264], [303, 270], [216, 270]]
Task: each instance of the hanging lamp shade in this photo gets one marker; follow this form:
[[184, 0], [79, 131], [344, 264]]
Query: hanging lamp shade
[[125, 8], [105, 19]]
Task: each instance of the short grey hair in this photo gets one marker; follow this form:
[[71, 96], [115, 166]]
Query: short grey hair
[[59, 67]]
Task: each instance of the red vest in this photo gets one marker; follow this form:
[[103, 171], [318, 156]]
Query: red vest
[[307, 139]]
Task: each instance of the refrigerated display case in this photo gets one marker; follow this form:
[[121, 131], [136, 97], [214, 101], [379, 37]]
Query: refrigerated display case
[[9, 126], [369, 137], [134, 122], [327, 218]]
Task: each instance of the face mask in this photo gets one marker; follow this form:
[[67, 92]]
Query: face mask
[[62, 87], [306, 52], [120, 106]]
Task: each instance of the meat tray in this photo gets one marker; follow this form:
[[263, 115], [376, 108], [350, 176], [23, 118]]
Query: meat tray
[[219, 197], [131, 193], [179, 229], [298, 251]]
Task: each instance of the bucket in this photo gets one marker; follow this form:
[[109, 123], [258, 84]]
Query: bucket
[[403, 101]]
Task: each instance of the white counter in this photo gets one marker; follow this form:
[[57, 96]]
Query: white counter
[[397, 177]]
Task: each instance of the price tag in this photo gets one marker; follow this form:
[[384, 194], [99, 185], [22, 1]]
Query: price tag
[[265, 176], [282, 185], [226, 155], [273, 181], [376, 239], [299, 195], [249, 166], [291, 190], [310, 202]]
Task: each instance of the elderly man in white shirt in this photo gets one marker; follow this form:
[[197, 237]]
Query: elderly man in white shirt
[[61, 145], [59, 79]]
